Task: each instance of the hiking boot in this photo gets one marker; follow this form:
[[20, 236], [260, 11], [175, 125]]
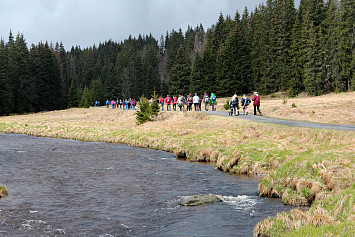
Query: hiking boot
[[260, 114]]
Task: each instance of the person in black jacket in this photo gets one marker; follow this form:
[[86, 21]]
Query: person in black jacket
[[245, 101]]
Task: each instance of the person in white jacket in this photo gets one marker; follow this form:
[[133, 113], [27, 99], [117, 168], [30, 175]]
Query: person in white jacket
[[196, 101]]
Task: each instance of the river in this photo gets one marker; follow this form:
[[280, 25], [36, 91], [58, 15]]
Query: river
[[72, 188]]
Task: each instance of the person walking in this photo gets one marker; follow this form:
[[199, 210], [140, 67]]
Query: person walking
[[162, 103], [206, 100], [189, 102], [107, 103], [196, 100], [256, 99], [245, 101], [133, 103], [235, 103], [168, 103], [213, 101], [174, 102]]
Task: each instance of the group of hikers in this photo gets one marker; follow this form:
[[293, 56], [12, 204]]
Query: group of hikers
[[188, 102], [119, 104], [245, 102]]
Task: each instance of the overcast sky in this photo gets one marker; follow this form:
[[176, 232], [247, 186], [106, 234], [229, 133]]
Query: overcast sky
[[88, 22]]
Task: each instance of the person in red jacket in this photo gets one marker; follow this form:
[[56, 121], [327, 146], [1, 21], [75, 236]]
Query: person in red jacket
[[256, 99], [174, 102], [168, 103], [162, 103]]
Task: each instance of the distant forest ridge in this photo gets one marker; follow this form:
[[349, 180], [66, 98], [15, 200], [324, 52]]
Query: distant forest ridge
[[274, 48]]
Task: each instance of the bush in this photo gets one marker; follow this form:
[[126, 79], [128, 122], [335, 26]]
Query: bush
[[294, 105], [226, 105], [147, 110], [3, 191], [144, 112]]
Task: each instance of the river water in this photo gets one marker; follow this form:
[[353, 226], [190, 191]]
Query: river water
[[72, 188]]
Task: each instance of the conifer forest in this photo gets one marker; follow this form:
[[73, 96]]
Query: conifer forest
[[275, 47]]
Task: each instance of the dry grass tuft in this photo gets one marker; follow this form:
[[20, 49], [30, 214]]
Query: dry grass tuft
[[316, 187], [262, 227], [320, 217]]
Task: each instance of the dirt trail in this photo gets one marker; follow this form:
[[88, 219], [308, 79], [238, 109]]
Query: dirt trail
[[292, 123]]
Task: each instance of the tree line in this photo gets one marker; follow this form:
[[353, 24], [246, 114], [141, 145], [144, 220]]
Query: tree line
[[274, 48]]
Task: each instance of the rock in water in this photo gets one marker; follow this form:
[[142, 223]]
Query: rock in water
[[197, 200]]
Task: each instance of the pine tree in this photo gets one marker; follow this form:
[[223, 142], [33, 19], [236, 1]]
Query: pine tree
[[73, 97], [347, 42], [5, 91], [313, 81], [85, 98], [180, 74], [333, 79], [144, 112], [296, 65], [283, 17], [196, 77]]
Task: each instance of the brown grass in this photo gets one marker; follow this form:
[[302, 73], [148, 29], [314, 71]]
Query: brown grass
[[238, 146], [334, 108]]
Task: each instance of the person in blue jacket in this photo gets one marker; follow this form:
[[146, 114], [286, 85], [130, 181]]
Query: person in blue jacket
[[107, 103], [245, 101]]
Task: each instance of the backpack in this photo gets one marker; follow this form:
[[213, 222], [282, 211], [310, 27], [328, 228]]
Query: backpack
[[213, 98], [206, 99], [167, 100], [235, 101]]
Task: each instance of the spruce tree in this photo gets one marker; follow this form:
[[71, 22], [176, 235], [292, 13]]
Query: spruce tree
[[347, 42], [196, 78], [180, 74], [5, 90], [296, 65], [313, 81], [85, 98], [73, 97]]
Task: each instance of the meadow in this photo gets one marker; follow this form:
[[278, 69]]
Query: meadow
[[304, 167]]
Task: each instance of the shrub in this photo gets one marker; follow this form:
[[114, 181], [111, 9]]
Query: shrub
[[144, 112], [226, 105], [294, 105]]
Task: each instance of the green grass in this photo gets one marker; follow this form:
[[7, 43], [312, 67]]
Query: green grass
[[344, 229]]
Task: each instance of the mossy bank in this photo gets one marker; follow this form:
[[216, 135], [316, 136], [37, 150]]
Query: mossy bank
[[3, 191], [302, 166]]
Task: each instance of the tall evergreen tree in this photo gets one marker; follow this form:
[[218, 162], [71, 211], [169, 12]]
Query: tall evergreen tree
[[180, 74], [85, 98], [73, 97], [347, 42], [314, 69], [296, 65], [196, 78], [5, 90]]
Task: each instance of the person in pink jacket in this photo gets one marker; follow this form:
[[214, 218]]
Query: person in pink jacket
[[174, 102], [256, 99], [162, 103]]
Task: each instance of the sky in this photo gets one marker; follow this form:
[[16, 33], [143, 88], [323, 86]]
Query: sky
[[88, 22]]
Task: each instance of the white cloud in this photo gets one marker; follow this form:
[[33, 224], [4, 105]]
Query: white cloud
[[85, 22]]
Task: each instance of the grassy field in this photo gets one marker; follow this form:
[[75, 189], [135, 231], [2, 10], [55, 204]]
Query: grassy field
[[304, 167], [334, 108]]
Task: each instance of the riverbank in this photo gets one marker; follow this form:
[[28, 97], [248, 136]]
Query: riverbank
[[302, 166]]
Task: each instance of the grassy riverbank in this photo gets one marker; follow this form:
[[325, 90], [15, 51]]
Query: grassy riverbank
[[303, 166]]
